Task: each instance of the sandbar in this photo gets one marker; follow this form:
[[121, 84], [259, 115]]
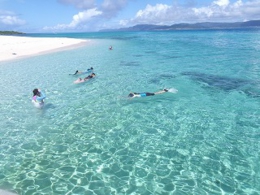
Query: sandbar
[[16, 47]]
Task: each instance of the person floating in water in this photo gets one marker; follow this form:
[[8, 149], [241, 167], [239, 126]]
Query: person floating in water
[[82, 72], [80, 80], [38, 97], [90, 77], [145, 94], [110, 48]]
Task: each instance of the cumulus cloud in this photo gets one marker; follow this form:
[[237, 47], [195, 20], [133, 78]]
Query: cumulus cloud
[[158, 11], [221, 3], [102, 13], [92, 14], [84, 16], [223, 10], [78, 21], [217, 11], [158, 14], [81, 4], [8, 18]]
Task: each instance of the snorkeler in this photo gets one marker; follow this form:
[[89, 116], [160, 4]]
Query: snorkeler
[[81, 72], [80, 80], [145, 94], [90, 77]]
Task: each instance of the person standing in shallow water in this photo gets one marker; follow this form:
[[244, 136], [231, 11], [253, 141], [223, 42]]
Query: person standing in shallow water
[[38, 97]]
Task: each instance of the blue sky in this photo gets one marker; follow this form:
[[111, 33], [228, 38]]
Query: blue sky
[[94, 15]]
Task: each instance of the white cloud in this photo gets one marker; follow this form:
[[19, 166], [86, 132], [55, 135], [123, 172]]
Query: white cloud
[[221, 3], [251, 9], [222, 10], [217, 11], [160, 10], [238, 4], [105, 13], [78, 20], [152, 15], [202, 12], [8, 18], [91, 17], [123, 22], [159, 14], [84, 16]]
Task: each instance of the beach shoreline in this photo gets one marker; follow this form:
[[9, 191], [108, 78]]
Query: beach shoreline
[[18, 47]]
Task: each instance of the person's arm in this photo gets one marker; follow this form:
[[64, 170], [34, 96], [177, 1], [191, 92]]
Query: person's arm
[[40, 98], [160, 92], [76, 72]]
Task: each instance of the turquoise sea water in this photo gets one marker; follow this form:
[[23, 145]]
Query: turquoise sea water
[[90, 139]]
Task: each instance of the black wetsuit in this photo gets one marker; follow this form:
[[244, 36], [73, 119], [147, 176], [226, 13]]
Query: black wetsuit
[[76, 72], [147, 94], [88, 77]]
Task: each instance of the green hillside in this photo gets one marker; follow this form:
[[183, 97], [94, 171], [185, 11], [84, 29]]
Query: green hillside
[[10, 33]]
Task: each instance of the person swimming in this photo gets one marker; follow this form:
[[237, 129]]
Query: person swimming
[[90, 77], [82, 72], [145, 94], [38, 97], [80, 80]]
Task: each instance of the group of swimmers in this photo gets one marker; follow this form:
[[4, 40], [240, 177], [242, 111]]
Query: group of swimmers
[[80, 80], [39, 96]]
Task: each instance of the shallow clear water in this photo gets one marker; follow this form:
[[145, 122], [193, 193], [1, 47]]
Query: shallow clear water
[[91, 139]]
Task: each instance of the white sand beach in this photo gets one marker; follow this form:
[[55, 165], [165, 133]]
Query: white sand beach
[[15, 47]]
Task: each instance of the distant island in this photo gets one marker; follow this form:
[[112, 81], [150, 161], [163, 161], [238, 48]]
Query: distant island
[[11, 33], [188, 26]]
